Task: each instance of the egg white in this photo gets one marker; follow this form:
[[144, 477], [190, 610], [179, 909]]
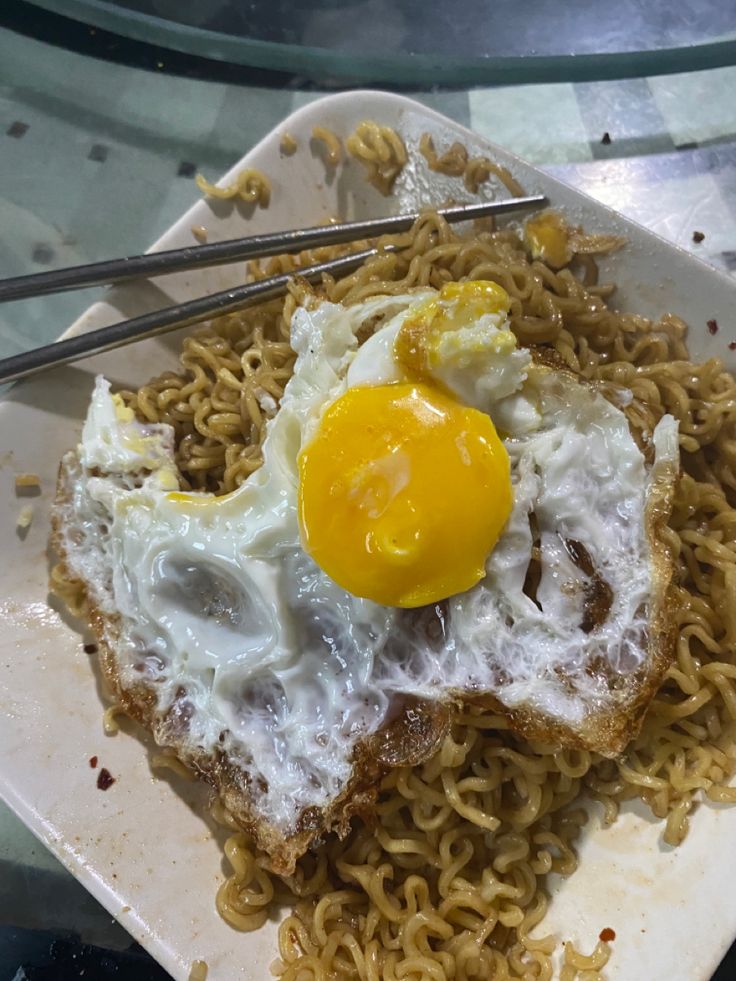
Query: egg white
[[284, 670]]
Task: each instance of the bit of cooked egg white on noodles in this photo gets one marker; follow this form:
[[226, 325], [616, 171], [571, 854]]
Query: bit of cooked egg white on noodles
[[430, 891]]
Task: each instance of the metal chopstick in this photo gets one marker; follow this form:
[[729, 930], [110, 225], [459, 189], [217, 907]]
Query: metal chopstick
[[170, 318], [218, 253]]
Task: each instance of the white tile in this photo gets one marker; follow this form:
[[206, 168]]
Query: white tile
[[542, 123], [300, 99], [246, 116], [697, 106], [122, 209], [50, 78], [183, 109]]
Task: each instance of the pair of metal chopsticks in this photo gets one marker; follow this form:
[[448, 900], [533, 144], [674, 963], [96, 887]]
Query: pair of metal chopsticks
[[216, 304]]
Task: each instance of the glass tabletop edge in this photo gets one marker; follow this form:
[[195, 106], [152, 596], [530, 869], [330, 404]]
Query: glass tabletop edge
[[319, 64]]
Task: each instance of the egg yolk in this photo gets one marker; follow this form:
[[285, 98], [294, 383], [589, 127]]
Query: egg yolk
[[548, 238], [403, 493], [457, 305]]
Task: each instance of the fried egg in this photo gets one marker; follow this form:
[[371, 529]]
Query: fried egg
[[438, 513]]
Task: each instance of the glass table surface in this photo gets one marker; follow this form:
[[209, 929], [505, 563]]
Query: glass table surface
[[435, 41], [97, 159]]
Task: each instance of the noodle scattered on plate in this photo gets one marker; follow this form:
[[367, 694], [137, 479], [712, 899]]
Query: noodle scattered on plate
[[288, 145], [198, 971], [450, 881], [456, 162], [452, 162], [382, 152], [331, 143], [250, 186]]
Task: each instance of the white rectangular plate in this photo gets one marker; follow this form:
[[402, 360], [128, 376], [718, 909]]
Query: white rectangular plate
[[145, 848]]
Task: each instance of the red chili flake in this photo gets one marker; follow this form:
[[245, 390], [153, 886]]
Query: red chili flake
[[698, 236], [606, 139], [105, 780], [732, 346], [607, 935], [90, 648], [93, 761], [713, 326]]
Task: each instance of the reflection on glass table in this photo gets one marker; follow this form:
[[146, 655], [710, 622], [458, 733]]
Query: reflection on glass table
[[431, 40]]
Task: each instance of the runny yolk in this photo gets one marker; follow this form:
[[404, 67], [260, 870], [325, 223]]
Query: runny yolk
[[403, 492], [548, 238]]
